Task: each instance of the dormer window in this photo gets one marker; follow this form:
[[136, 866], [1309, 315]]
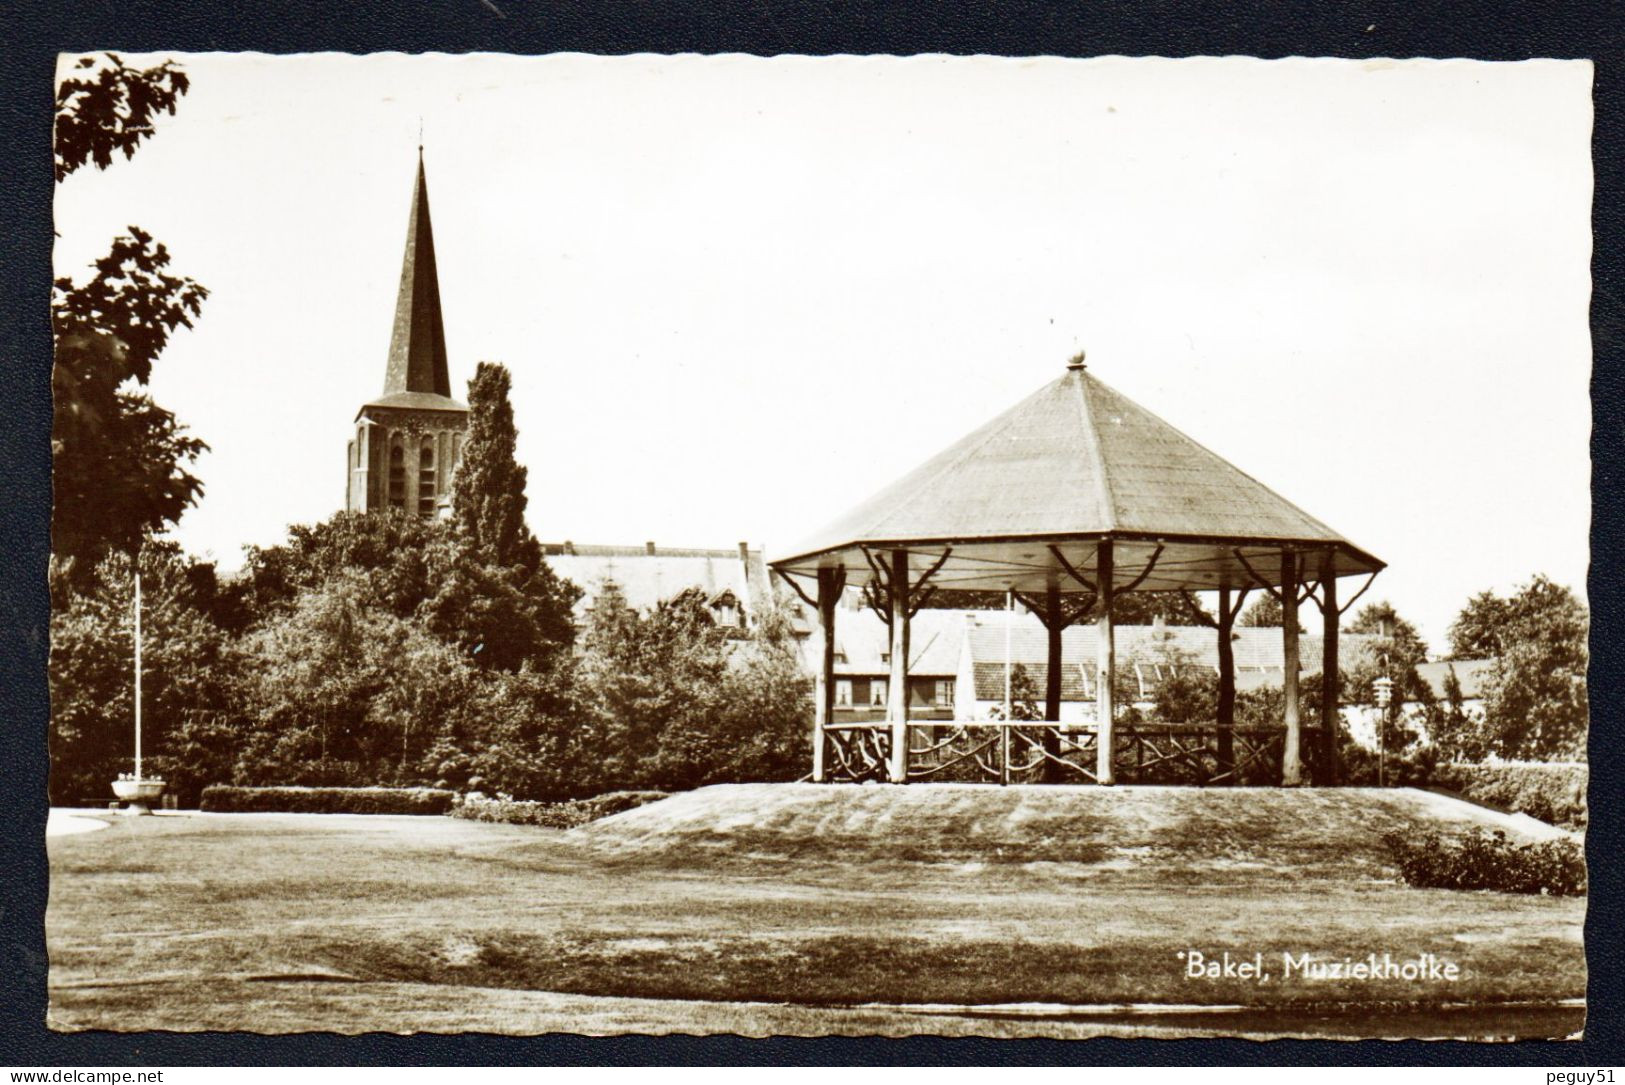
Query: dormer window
[[726, 610]]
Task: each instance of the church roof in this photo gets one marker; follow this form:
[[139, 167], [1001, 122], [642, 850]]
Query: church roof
[[648, 575], [1074, 462], [417, 344], [417, 401]]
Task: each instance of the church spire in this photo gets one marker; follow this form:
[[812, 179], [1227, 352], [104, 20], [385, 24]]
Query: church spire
[[417, 345]]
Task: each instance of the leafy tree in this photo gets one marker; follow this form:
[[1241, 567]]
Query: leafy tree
[[520, 734], [1536, 703], [1265, 611], [1400, 651], [1456, 734], [339, 689], [762, 721], [187, 678], [1404, 642], [1265, 706], [360, 672], [1025, 697], [1147, 607], [501, 617], [118, 459], [650, 674], [425, 570], [113, 489], [106, 106], [388, 546], [768, 684], [1476, 632], [678, 704], [1187, 693]]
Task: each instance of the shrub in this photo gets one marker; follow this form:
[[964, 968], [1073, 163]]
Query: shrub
[[1360, 766], [1485, 859], [677, 702], [553, 815], [618, 802], [326, 800], [1553, 792]]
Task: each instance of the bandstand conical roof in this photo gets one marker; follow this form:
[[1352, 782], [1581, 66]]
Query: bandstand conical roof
[[1074, 463]]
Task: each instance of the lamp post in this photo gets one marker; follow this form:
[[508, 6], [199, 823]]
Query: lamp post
[[1385, 695]]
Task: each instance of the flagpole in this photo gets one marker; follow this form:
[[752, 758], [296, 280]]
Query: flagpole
[[138, 675]]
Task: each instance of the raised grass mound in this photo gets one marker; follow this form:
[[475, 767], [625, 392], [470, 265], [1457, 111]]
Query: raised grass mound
[[1303, 832]]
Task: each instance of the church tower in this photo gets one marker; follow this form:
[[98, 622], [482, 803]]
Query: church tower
[[408, 440]]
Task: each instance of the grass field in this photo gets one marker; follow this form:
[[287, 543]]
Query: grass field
[[801, 910]]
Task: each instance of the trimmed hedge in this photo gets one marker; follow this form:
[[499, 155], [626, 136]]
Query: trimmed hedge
[[326, 800], [552, 815], [1552, 792], [1485, 859]]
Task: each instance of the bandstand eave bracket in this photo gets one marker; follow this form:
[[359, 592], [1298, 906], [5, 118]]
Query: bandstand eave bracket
[[1173, 564]]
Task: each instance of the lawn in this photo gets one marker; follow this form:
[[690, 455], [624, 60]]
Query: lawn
[[802, 909]]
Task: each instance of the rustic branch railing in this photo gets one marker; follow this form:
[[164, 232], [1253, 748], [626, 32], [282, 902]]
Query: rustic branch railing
[[1033, 751]]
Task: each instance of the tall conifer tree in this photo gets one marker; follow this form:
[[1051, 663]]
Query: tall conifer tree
[[488, 506], [489, 498]]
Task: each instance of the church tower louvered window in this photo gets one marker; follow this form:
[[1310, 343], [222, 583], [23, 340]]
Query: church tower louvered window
[[397, 477], [426, 494]]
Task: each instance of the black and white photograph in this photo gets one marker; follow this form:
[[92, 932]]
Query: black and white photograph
[[863, 546]]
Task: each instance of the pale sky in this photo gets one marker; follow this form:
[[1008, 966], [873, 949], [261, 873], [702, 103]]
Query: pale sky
[[738, 295]]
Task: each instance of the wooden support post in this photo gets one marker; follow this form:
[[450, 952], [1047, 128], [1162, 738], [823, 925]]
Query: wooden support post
[[897, 695], [829, 594], [1106, 666], [1053, 617], [1291, 757], [1227, 688], [1330, 681]]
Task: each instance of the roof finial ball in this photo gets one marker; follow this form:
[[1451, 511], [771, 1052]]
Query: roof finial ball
[[1076, 361]]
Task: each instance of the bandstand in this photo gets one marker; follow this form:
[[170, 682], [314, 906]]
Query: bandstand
[[1066, 501]]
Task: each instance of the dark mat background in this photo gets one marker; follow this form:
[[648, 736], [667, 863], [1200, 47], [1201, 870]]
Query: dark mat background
[[36, 30]]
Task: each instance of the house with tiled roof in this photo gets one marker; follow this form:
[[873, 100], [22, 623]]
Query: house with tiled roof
[[1473, 675], [863, 665], [1146, 654], [958, 658], [734, 580]]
